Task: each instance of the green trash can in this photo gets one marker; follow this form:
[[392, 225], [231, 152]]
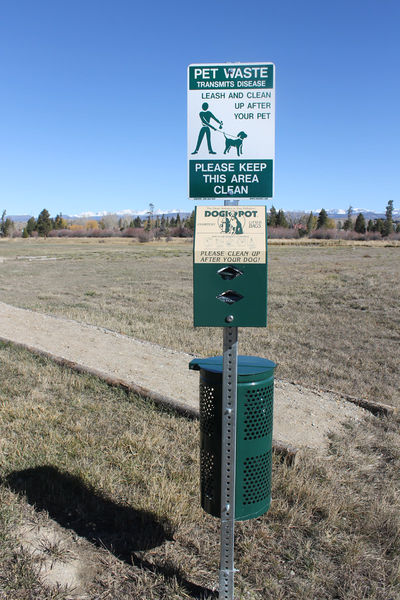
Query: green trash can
[[254, 422]]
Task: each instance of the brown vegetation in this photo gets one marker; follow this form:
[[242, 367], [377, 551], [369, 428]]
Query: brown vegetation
[[333, 310], [116, 480], [73, 450]]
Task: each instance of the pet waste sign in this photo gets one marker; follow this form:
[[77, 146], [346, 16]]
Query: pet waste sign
[[231, 130]]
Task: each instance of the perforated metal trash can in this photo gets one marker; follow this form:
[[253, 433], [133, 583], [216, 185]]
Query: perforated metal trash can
[[255, 399]]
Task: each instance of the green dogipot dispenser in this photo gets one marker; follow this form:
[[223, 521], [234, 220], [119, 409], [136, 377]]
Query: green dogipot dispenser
[[253, 434], [230, 266]]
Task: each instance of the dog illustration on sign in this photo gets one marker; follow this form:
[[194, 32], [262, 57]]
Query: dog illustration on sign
[[231, 224], [237, 142]]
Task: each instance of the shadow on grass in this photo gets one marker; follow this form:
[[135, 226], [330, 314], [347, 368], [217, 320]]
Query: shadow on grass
[[120, 529]]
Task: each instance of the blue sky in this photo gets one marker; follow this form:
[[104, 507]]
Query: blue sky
[[93, 99]]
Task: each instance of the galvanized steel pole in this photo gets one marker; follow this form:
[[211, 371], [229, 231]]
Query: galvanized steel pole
[[228, 458], [228, 463]]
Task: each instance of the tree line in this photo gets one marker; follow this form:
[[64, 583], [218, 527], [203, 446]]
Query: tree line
[[307, 224], [152, 225], [156, 226]]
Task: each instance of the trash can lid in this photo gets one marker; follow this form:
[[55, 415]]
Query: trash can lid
[[247, 365]]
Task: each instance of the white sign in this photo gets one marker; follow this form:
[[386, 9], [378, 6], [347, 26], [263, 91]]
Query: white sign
[[231, 130]]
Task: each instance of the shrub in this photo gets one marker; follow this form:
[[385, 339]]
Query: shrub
[[283, 233], [350, 235], [324, 234], [373, 235], [132, 232], [181, 232], [145, 236]]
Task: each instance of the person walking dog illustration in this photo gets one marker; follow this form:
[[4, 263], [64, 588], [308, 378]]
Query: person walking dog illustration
[[205, 118]]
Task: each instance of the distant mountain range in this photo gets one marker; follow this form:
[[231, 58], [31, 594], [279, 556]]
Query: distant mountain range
[[339, 213], [128, 213], [19, 218], [97, 216], [334, 213]]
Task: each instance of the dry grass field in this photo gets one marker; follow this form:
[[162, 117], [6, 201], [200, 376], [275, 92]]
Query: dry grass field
[[334, 310], [115, 480]]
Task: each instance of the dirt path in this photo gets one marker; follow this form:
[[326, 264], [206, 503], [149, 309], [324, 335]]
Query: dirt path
[[302, 417]]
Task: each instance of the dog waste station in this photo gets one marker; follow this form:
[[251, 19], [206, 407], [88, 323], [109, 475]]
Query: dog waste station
[[230, 266], [231, 120]]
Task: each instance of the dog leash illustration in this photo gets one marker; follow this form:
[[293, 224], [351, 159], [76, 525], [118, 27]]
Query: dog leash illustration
[[220, 130]]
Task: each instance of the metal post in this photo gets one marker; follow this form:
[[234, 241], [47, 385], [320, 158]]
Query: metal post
[[228, 463], [228, 457]]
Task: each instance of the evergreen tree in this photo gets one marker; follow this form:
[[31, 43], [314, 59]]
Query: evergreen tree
[[359, 226], [322, 219], [388, 224], [398, 228], [137, 222], [172, 222], [44, 224], [370, 226], [6, 225], [149, 222], [271, 220], [348, 224], [311, 223], [190, 222], [31, 226], [281, 219], [178, 220], [59, 222], [25, 234], [379, 225]]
